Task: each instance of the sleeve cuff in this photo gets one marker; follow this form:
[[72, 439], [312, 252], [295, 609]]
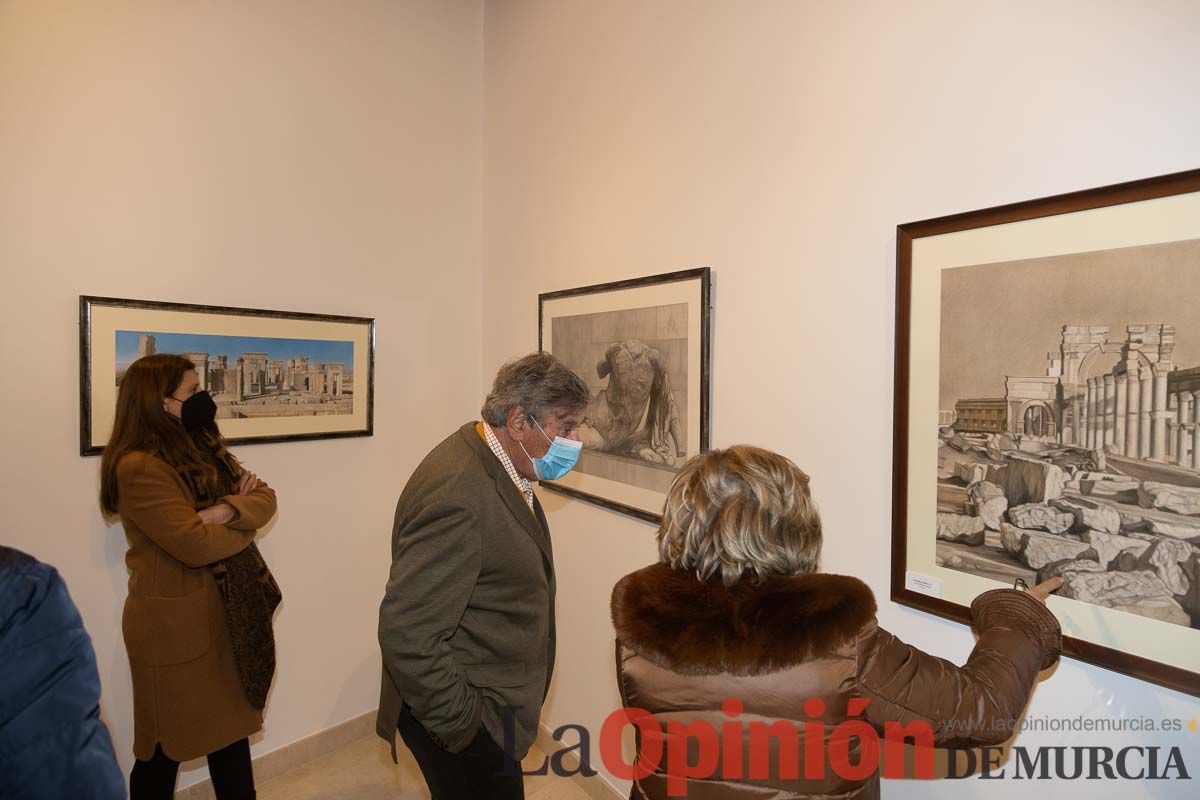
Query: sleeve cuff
[[237, 512], [1016, 610], [239, 521], [460, 741]]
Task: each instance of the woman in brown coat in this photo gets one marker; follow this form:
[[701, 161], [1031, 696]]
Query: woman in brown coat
[[190, 514], [766, 678]]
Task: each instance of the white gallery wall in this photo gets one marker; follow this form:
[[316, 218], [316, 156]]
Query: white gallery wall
[[780, 143], [437, 163], [298, 156]]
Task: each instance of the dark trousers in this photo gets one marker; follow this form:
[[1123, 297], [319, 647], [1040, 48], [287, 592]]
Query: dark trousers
[[232, 776], [477, 772]]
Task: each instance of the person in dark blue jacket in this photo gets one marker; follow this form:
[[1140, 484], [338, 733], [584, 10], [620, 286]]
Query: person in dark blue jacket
[[52, 742]]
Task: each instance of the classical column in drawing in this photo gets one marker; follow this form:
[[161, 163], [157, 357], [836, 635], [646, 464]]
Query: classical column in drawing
[[1108, 416], [1090, 427], [1077, 420], [1159, 449], [1172, 454], [1196, 430], [1119, 414], [1183, 411], [1133, 411], [1145, 436]]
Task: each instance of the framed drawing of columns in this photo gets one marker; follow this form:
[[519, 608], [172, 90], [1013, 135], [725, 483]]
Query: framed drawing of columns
[[1047, 417], [276, 376], [643, 348]]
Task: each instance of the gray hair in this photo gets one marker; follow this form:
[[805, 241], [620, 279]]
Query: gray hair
[[539, 383]]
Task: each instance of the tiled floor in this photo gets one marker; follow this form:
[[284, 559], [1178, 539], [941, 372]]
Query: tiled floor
[[363, 770]]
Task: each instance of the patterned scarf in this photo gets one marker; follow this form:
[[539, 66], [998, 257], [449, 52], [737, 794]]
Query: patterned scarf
[[251, 596]]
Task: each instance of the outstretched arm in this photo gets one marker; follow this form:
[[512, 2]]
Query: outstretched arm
[[978, 703]]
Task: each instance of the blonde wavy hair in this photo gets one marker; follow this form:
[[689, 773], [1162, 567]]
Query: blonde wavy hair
[[743, 511]]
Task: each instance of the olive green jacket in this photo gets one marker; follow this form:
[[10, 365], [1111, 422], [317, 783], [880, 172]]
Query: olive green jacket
[[466, 626]]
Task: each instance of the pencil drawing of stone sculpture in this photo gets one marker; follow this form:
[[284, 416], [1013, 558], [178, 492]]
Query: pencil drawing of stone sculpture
[[636, 364], [636, 414]]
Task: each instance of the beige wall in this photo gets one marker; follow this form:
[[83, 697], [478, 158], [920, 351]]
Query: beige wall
[[327, 157], [780, 144], [307, 156]]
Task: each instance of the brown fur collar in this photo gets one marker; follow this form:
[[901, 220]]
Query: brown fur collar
[[701, 628]]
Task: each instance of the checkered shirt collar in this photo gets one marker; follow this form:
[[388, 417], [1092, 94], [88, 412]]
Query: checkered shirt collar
[[523, 484]]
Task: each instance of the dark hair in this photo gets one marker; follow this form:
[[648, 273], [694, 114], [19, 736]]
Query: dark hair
[[539, 383], [141, 425]]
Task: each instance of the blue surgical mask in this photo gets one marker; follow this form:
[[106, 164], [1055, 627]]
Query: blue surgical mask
[[559, 459]]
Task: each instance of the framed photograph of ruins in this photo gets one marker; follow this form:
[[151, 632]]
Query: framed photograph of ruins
[[643, 348], [276, 376], [1047, 417]]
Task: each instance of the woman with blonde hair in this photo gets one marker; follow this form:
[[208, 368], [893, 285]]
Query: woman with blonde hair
[[735, 624], [197, 621]]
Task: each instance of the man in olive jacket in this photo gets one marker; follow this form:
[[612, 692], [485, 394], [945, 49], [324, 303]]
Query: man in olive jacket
[[466, 626]]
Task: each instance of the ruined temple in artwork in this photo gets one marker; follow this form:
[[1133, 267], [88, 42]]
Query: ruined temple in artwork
[[1090, 472], [252, 384], [1069, 425]]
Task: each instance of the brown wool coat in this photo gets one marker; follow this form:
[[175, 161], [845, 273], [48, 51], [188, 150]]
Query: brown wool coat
[[684, 647], [186, 692]]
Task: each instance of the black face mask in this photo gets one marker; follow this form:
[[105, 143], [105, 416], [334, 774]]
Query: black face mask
[[198, 411]]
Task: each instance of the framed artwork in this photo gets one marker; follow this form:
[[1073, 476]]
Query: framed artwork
[[1047, 417], [276, 376], [643, 348]]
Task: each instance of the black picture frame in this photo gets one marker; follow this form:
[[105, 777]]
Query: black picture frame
[[702, 277], [89, 304], [908, 235]]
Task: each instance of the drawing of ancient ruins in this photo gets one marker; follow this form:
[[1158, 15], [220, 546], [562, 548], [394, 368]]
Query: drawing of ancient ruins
[[1092, 476]]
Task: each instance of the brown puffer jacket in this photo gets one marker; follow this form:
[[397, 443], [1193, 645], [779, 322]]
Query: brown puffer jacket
[[685, 648]]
